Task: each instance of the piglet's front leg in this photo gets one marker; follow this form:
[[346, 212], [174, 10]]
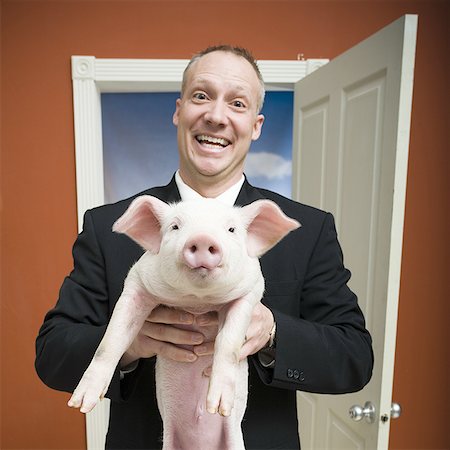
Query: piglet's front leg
[[234, 320], [132, 308]]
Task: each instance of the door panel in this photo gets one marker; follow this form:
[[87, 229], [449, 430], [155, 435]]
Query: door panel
[[314, 136], [351, 123], [359, 183], [341, 436]]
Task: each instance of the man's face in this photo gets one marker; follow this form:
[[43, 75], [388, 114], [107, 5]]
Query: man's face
[[217, 120]]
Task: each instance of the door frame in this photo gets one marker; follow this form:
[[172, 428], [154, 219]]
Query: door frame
[[93, 76]]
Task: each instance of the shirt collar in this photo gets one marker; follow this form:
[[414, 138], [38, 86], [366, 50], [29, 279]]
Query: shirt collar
[[228, 197]]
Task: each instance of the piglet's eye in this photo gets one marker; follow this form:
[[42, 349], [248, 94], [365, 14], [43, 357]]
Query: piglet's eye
[[174, 227], [231, 229]]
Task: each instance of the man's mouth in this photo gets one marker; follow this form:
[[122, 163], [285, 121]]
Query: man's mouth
[[215, 143]]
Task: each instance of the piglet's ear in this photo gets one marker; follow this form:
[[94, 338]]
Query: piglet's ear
[[142, 222], [267, 225]]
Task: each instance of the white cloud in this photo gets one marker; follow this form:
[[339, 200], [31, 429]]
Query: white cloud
[[268, 165]]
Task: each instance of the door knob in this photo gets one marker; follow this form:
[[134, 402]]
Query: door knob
[[396, 410], [358, 413]]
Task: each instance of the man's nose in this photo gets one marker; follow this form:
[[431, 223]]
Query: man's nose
[[217, 113]]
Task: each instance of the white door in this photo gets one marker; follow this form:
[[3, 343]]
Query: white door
[[351, 136]]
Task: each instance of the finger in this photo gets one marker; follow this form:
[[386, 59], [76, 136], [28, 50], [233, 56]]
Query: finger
[[249, 348], [173, 352], [205, 349], [209, 318], [171, 334], [164, 314]]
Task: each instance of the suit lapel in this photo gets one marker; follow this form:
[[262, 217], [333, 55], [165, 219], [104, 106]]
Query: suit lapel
[[248, 194], [168, 193]]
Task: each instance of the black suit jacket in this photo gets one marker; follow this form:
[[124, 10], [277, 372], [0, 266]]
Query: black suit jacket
[[322, 343]]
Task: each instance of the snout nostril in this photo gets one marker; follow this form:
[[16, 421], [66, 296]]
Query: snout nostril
[[202, 251], [211, 249]]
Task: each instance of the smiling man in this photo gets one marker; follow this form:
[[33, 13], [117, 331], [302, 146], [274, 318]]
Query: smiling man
[[307, 334], [217, 118]]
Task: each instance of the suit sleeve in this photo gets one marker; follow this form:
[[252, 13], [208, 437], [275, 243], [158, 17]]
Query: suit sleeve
[[326, 347], [73, 329]]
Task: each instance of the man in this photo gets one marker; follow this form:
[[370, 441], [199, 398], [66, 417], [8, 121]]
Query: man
[[308, 333]]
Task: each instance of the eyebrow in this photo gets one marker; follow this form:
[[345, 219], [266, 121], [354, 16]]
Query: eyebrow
[[204, 83]]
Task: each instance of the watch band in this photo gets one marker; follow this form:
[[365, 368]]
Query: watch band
[[272, 335], [266, 355]]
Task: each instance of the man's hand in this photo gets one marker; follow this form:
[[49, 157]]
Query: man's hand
[[162, 334], [258, 333], [257, 336]]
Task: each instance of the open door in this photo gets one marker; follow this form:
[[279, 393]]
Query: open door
[[351, 137]]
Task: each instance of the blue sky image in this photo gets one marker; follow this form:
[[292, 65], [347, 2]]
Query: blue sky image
[[140, 143]]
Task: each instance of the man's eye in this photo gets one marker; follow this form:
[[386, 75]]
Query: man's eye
[[238, 104], [200, 96]]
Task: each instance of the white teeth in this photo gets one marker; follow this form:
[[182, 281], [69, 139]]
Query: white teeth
[[212, 140]]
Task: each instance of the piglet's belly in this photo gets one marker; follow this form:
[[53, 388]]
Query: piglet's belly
[[181, 391]]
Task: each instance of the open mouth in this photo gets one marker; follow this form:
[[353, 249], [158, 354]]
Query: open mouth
[[214, 143]]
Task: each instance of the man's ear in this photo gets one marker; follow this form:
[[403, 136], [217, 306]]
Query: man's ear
[[177, 112], [142, 222], [266, 226], [257, 126]]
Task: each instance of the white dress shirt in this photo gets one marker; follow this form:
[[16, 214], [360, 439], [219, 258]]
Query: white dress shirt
[[228, 197]]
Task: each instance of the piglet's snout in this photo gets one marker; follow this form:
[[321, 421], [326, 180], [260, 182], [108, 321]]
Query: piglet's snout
[[202, 251]]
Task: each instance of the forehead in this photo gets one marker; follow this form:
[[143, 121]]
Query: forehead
[[225, 69]]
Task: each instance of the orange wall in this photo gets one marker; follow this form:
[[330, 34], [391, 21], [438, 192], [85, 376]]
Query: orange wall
[[38, 175]]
